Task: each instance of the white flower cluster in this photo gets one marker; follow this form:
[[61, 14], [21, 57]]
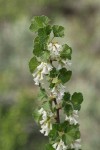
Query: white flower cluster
[[76, 145], [64, 63], [54, 49], [60, 145], [45, 123], [73, 119], [58, 92], [42, 70]]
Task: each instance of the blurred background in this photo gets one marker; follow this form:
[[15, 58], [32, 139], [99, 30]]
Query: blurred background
[[81, 20]]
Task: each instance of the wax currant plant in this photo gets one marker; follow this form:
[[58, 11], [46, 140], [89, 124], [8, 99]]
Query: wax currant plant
[[57, 110]]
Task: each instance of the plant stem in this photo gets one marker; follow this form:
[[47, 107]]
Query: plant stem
[[58, 116]]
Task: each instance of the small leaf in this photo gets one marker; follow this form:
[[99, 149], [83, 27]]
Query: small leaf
[[38, 48], [77, 99], [33, 64], [72, 133], [36, 115], [66, 97], [66, 52], [54, 132], [68, 109], [42, 94], [44, 33], [58, 31], [45, 56], [53, 73], [38, 22], [49, 147], [64, 75]]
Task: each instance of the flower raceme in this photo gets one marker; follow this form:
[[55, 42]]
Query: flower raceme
[[51, 61], [54, 49], [42, 70], [45, 123]]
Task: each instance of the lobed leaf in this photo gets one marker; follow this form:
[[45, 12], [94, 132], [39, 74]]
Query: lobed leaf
[[53, 73], [33, 64], [77, 99], [64, 75], [66, 96], [66, 52], [38, 48], [68, 109], [72, 134], [36, 115], [58, 31], [38, 22], [43, 34]]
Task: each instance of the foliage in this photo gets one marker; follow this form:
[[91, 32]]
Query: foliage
[[62, 135]]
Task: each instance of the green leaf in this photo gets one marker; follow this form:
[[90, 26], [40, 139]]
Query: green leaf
[[72, 134], [45, 56], [68, 109], [53, 73], [66, 97], [49, 147], [58, 31], [46, 105], [43, 34], [45, 31], [42, 94], [38, 22], [53, 135], [36, 115], [33, 64], [64, 75], [38, 48], [66, 52], [77, 99]]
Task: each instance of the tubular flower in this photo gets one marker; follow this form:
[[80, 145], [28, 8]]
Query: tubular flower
[[76, 145], [73, 118], [58, 92], [42, 70], [64, 63], [59, 145], [55, 49], [45, 123]]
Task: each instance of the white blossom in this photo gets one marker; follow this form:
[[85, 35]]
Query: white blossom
[[45, 123], [63, 63], [46, 127], [41, 111], [59, 145], [55, 49], [73, 118], [76, 145], [42, 70], [58, 92]]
